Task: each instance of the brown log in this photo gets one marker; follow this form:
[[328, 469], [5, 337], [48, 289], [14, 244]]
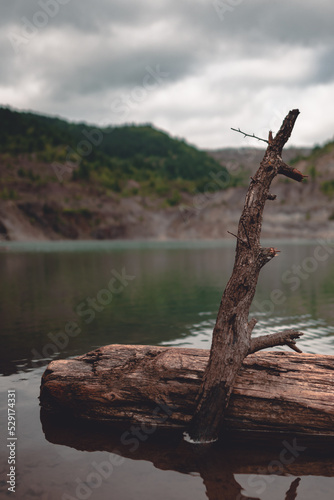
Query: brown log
[[157, 386]]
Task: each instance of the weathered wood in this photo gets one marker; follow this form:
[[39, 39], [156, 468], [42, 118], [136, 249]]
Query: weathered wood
[[231, 339], [157, 386]]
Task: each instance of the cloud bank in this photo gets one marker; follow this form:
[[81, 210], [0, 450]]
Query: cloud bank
[[194, 68]]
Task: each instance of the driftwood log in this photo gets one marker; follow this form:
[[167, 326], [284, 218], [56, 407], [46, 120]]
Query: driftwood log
[[157, 386], [190, 388]]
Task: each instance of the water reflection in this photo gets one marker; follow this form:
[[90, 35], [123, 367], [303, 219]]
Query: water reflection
[[173, 301], [223, 466], [318, 335]]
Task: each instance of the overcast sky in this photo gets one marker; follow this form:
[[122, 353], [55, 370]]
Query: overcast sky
[[194, 68]]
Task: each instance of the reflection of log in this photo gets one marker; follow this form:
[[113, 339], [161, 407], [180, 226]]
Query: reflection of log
[[158, 385], [217, 464], [168, 451]]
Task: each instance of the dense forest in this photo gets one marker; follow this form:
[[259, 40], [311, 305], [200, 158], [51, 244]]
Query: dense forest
[[110, 156]]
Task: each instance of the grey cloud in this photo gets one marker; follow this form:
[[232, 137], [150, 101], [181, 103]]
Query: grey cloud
[[284, 20], [323, 72], [91, 51], [81, 14], [259, 25], [102, 69], [302, 22]]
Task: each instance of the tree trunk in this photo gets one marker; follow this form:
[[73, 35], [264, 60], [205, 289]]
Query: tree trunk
[[132, 383], [145, 387], [231, 341]]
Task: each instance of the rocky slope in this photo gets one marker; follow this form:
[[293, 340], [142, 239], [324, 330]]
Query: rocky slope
[[48, 209]]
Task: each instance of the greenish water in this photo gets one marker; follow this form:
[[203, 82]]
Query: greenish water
[[63, 299]]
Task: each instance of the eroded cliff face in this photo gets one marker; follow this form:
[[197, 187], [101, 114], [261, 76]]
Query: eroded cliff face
[[300, 213], [48, 209]]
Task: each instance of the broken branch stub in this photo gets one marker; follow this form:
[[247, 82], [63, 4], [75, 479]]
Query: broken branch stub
[[231, 341]]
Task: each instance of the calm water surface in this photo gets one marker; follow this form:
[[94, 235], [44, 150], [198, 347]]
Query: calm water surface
[[171, 299]]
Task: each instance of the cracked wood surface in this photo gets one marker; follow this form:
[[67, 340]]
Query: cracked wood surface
[[277, 392]]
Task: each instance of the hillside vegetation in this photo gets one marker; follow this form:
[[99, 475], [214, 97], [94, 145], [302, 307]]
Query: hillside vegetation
[[62, 180], [107, 157]]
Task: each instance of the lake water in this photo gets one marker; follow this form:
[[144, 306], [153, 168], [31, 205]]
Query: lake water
[[169, 294]]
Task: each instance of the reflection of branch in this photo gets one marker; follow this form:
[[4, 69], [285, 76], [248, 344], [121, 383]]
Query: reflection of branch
[[291, 494], [219, 477], [248, 135]]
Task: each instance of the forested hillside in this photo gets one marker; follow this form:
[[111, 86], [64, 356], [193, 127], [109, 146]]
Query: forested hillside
[[108, 157], [61, 180]]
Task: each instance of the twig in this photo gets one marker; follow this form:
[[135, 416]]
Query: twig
[[293, 346], [251, 325], [248, 135], [242, 241], [280, 338], [288, 171]]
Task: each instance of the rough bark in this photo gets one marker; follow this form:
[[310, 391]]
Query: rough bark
[[157, 386], [231, 341]]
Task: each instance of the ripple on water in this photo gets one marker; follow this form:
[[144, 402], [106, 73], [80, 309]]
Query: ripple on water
[[318, 336]]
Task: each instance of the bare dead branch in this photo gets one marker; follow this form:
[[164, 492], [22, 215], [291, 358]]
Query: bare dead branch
[[290, 172], [266, 254], [294, 347], [284, 132], [281, 338], [249, 135], [251, 325], [271, 197], [240, 239], [231, 340]]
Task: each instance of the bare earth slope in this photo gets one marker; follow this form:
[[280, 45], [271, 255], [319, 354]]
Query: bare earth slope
[[47, 209]]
